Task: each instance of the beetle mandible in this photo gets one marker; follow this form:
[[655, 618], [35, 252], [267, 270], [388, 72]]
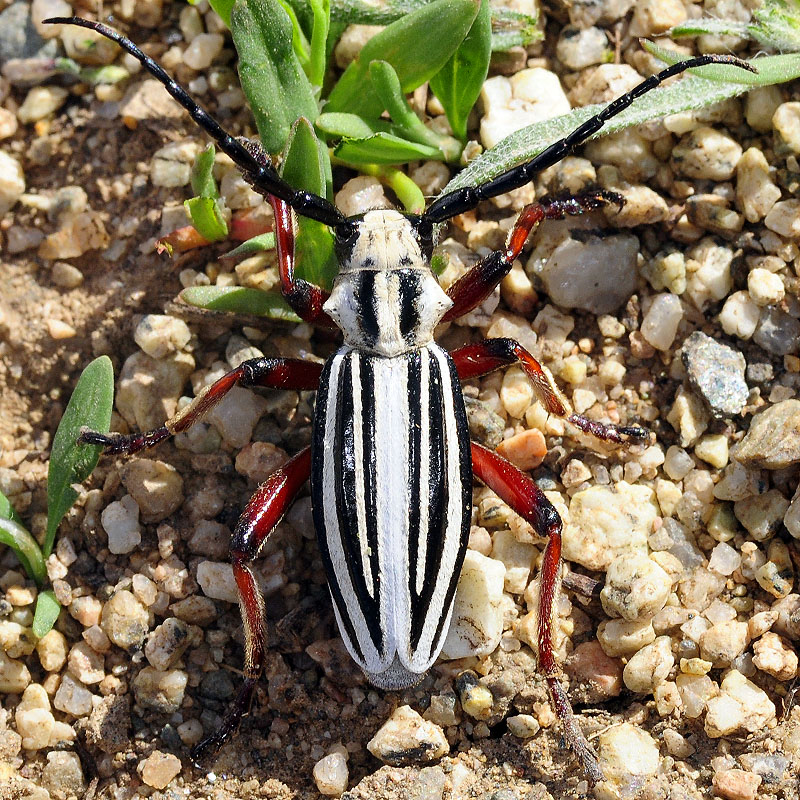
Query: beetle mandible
[[391, 463]]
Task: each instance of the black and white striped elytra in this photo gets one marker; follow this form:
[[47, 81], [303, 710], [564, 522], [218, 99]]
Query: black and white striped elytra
[[391, 474]]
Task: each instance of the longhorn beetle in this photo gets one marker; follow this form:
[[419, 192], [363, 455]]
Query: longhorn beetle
[[391, 463]]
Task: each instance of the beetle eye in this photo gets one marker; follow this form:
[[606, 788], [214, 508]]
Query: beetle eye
[[346, 232]]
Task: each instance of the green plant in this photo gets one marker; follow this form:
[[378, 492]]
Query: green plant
[[90, 405]]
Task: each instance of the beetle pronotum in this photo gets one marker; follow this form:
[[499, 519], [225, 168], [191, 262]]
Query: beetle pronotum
[[391, 463]]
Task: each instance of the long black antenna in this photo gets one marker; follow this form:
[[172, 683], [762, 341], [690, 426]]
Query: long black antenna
[[465, 199], [259, 173]]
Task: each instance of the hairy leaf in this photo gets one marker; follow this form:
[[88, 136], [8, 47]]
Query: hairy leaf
[[90, 406], [239, 300]]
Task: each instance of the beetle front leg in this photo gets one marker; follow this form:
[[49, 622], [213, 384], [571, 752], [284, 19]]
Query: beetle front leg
[[472, 289], [520, 492], [272, 373], [260, 517], [480, 358]]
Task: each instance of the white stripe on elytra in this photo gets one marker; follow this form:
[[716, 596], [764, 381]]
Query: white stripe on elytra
[[360, 469], [424, 466], [333, 529], [391, 458]]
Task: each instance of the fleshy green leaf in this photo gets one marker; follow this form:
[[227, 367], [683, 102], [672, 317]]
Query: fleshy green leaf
[[258, 244], [207, 218], [417, 46], [321, 10], [222, 7], [349, 126], [709, 26], [46, 613], [90, 406], [276, 86], [25, 548], [687, 94], [384, 148], [459, 82], [7, 511], [203, 183], [239, 300]]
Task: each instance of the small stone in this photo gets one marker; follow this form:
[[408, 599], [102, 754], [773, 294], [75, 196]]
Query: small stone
[[776, 576], [160, 691], [739, 316], [159, 335], [359, 193], [650, 666], [635, 587], [755, 191], [156, 487], [716, 373], [258, 460], [591, 273], [63, 775], [144, 589], [652, 17], [120, 521], [706, 154], [786, 124], [724, 559], [52, 650], [407, 738], [525, 450], [606, 522], [599, 677], [625, 750], [73, 697], [12, 182], [695, 692], [773, 440], [621, 638], [579, 48], [516, 556], [66, 275], [660, 323], [35, 722], [216, 581], [777, 332], [477, 622], [85, 664], [677, 745], [108, 725], [741, 706], [723, 642], [784, 218], [78, 234], [202, 51], [772, 655], [765, 287], [476, 699], [125, 620], [762, 514], [147, 100], [236, 415], [713, 449], [158, 769], [523, 726], [443, 710], [167, 643], [171, 165], [14, 675], [331, 774], [736, 784], [688, 416]]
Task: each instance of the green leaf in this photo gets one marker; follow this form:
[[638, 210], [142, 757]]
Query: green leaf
[[459, 82], [7, 510], [306, 164], [319, 37], [258, 244], [203, 183], [25, 547], [349, 126], [776, 24], [300, 45], [384, 148], [239, 300], [688, 94], [207, 218], [417, 46], [709, 26], [277, 89], [46, 613], [90, 406]]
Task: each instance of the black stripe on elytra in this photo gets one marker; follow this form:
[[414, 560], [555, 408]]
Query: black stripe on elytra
[[458, 417], [435, 494], [369, 470], [346, 471], [319, 455], [413, 388], [366, 302], [409, 305]]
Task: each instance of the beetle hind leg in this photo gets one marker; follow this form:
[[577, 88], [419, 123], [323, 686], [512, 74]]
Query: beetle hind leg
[[258, 520]]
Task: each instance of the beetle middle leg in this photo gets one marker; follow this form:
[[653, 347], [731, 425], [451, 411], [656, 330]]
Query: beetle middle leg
[[481, 358], [260, 517], [520, 492], [472, 289], [271, 373]]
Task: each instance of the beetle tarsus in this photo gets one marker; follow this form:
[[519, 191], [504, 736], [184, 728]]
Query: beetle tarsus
[[608, 432]]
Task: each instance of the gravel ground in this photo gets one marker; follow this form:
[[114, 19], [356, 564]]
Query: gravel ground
[[680, 313]]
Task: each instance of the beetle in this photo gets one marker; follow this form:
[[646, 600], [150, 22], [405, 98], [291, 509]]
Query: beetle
[[391, 464]]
